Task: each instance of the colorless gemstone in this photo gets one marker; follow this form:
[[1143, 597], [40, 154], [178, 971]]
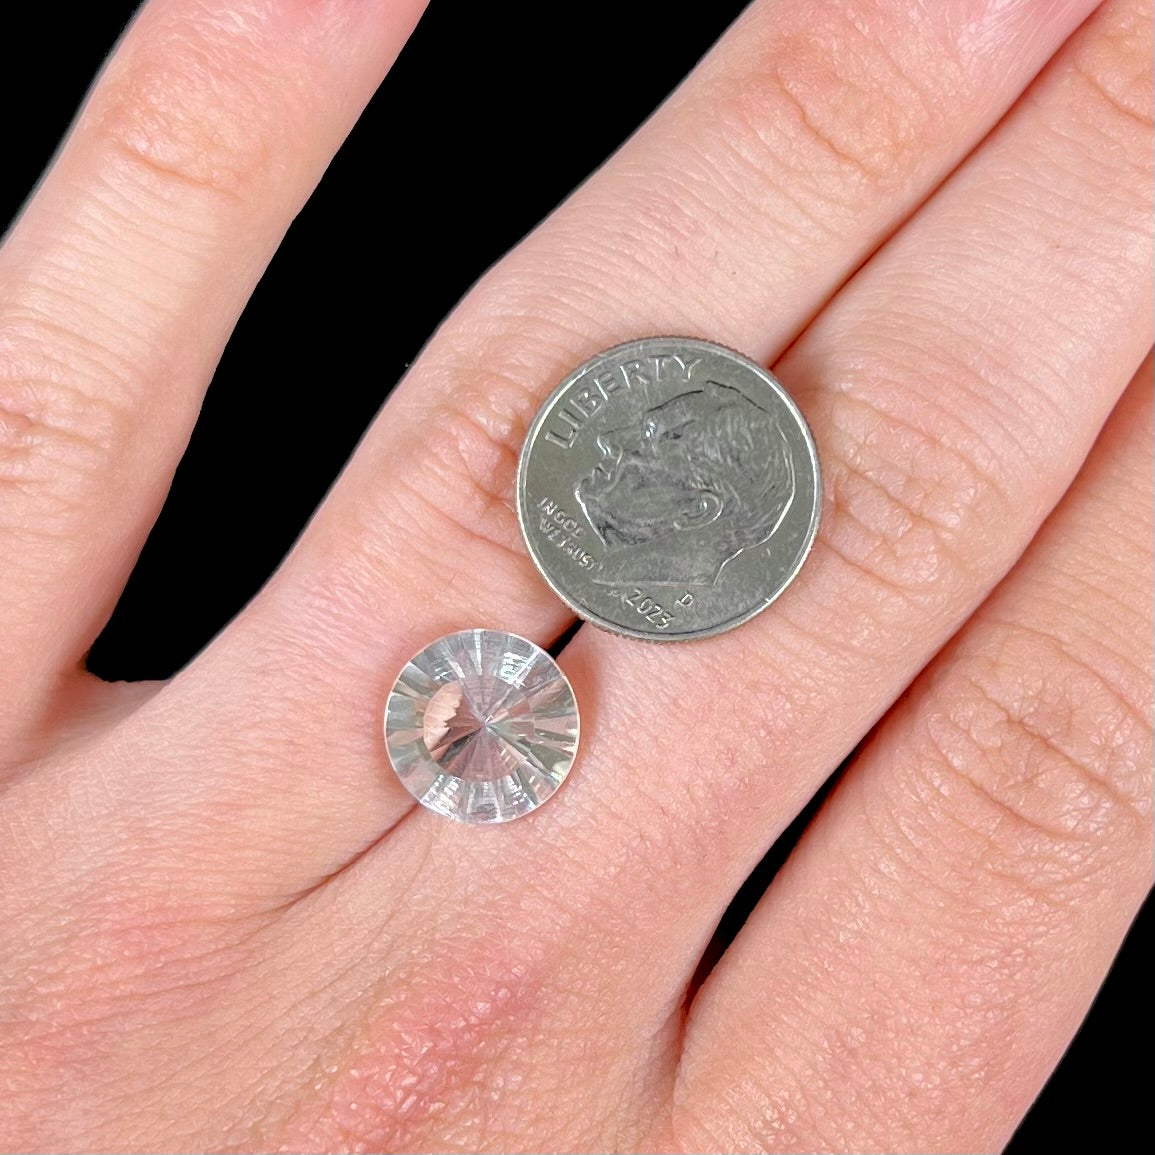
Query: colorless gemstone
[[481, 726]]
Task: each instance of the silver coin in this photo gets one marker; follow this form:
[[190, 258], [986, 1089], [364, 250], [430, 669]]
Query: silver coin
[[669, 489]]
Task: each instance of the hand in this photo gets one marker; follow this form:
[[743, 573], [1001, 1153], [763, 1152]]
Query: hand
[[222, 924]]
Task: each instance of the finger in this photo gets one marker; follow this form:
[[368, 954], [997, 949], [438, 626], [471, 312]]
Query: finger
[[122, 279], [741, 202], [952, 402], [953, 909]]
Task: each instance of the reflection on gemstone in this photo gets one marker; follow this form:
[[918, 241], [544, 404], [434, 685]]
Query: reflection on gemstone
[[481, 726]]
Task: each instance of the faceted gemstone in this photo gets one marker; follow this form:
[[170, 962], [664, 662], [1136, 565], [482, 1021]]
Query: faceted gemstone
[[481, 726]]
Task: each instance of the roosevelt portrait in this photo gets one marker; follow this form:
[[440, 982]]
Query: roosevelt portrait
[[687, 487]]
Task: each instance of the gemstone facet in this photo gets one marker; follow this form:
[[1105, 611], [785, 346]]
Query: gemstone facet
[[481, 726]]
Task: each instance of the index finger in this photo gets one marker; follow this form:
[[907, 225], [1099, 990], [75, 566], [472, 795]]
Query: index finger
[[123, 277]]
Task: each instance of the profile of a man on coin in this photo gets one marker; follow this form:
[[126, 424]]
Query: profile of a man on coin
[[689, 486]]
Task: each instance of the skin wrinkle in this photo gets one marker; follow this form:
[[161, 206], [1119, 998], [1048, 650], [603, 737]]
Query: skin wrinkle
[[1122, 678], [859, 421], [986, 826], [826, 79], [33, 341], [40, 377], [1118, 69], [885, 535], [1106, 639], [1017, 413], [188, 101], [1045, 706], [490, 527], [490, 312], [954, 741], [443, 533], [676, 211]]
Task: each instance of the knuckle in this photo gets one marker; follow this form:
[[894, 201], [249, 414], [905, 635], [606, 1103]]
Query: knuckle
[[451, 488], [469, 451], [826, 103], [487, 386], [912, 493], [652, 221], [1041, 760], [442, 476], [1113, 70], [419, 1063], [188, 103], [56, 432]]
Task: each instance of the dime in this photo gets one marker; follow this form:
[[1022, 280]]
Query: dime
[[669, 489]]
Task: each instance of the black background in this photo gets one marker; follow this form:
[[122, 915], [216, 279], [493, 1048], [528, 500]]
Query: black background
[[489, 118]]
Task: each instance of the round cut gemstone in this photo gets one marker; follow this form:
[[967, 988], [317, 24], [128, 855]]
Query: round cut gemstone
[[481, 726]]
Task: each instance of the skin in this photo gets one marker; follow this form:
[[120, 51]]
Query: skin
[[211, 945]]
